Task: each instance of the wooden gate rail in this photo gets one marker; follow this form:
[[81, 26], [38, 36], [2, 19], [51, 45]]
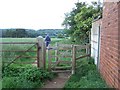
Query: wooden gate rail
[[41, 51], [19, 56], [82, 56], [74, 56], [16, 51]]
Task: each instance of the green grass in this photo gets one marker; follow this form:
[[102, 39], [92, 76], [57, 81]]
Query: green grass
[[17, 76], [27, 39], [21, 47], [19, 39], [9, 56], [86, 76], [24, 77]]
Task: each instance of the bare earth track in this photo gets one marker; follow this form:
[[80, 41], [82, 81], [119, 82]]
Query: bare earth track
[[58, 82]]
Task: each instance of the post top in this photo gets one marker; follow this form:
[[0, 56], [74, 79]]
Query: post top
[[39, 37]]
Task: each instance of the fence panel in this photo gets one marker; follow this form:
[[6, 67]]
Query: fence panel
[[17, 52]]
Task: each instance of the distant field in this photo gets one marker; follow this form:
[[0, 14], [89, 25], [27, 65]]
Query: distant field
[[25, 39], [18, 39]]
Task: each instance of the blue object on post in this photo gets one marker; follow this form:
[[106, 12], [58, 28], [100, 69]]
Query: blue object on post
[[47, 40]]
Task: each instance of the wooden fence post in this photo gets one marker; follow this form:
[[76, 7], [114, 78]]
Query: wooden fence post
[[89, 51], [40, 52], [73, 59], [49, 58], [44, 54], [87, 47], [38, 55], [56, 52]]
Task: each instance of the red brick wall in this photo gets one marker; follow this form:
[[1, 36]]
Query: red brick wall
[[110, 44], [119, 41]]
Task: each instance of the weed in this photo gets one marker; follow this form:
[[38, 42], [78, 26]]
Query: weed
[[86, 76]]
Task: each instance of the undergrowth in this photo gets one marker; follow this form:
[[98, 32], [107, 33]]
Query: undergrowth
[[24, 77], [86, 76]]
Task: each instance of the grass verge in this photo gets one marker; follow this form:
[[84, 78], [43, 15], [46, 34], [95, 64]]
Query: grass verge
[[86, 76]]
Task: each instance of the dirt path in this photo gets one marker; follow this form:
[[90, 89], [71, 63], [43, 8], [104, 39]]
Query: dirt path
[[58, 82]]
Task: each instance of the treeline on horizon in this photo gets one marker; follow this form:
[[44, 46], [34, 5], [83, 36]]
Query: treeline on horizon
[[24, 33]]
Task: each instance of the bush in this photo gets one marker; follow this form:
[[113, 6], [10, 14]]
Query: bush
[[18, 82], [36, 75], [24, 77], [60, 35]]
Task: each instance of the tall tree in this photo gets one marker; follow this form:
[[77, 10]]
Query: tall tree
[[79, 21]]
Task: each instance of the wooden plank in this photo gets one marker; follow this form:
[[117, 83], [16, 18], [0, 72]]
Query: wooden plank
[[65, 45], [55, 63], [49, 59], [22, 57], [17, 51], [64, 48], [19, 56], [82, 56], [61, 71], [89, 52], [60, 56], [38, 57], [56, 53], [73, 59], [82, 46], [44, 55], [65, 62], [66, 56], [18, 42], [62, 61], [40, 50], [61, 68], [23, 62]]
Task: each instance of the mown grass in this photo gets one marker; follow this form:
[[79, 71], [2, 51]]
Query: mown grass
[[86, 76]]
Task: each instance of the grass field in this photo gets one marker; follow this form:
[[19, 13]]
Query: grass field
[[27, 39]]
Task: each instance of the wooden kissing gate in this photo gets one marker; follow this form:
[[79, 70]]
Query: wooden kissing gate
[[57, 56], [60, 57]]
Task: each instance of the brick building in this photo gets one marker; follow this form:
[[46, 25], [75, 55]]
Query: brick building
[[109, 54]]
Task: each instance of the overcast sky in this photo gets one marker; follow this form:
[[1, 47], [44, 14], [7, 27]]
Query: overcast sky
[[34, 14]]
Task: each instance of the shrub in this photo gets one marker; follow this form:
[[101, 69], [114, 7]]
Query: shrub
[[24, 77], [17, 82]]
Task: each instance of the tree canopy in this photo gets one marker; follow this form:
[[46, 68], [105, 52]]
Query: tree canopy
[[79, 21]]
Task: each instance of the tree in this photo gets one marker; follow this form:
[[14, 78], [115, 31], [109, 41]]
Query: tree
[[79, 21], [21, 33]]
